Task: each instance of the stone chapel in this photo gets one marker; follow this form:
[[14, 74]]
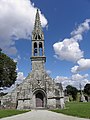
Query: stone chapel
[[38, 89]]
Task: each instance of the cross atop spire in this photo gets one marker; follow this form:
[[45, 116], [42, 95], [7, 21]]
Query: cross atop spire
[[37, 25]]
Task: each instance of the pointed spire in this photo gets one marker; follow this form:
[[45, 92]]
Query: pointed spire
[[37, 25]]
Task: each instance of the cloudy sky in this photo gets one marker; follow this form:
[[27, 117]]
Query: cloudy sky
[[66, 26]]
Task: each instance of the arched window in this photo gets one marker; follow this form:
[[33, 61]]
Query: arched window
[[37, 37], [40, 49], [35, 49]]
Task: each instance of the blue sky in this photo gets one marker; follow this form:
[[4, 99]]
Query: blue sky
[[59, 18]]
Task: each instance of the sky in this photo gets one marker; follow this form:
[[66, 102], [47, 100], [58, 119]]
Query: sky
[[66, 27]]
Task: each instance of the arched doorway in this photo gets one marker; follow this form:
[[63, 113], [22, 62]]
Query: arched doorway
[[39, 100]]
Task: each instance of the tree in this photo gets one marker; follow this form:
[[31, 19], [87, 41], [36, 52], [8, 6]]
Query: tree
[[87, 89], [72, 91], [7, 70]]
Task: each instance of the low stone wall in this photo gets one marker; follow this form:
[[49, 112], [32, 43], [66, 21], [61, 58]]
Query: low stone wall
[[8, 105]]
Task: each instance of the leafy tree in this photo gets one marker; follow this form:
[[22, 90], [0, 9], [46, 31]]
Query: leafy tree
[[7, 70], [87, 89], [72, 91]]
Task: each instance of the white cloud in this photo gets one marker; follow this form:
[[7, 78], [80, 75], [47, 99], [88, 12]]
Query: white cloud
[[83, 64], [69, 48], [48, 72], [74, 80], [20, 78], [79, 77], [81, 28], [60, 79], [17, 58], [16, 19], [17, 68], [74, 69]]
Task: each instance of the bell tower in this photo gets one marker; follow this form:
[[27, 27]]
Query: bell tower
[[38, 58]]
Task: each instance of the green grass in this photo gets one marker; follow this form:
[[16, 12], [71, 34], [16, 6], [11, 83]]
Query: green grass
[[7, 113], [78, 109]]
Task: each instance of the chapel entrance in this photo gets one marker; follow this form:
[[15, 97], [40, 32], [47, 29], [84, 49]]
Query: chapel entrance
[[39, 100]]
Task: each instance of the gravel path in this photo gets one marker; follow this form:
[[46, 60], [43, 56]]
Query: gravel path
[[42, 115]]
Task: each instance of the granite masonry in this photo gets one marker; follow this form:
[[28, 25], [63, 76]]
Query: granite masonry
[[38, 90]]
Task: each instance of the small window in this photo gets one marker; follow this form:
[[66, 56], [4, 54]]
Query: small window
[[36, 37], [39, 37], [35, 49], [40, 49]]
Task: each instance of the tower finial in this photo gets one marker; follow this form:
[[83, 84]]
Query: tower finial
[[37, 25]]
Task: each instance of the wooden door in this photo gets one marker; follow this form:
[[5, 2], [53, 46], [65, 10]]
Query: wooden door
[[39, 100]]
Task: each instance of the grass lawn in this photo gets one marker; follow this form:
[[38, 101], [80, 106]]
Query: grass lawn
[[7, 113], [78, 109]]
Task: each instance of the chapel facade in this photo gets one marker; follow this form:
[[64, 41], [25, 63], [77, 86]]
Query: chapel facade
[[38, 89]]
